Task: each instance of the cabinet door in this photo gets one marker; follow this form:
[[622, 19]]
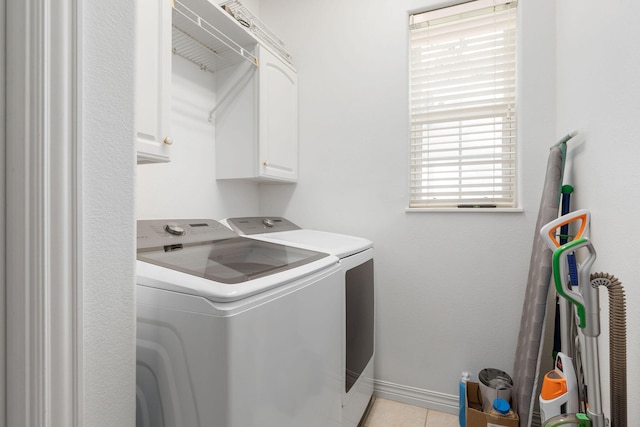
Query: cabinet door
[[153, 80], [278, 118]]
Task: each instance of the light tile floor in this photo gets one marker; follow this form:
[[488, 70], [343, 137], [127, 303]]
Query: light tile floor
[[387, 413]]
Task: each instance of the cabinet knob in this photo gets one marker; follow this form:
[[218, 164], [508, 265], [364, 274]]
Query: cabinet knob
[[265, 163], [168, 140]]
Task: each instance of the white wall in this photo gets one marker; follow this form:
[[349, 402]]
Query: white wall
[[186, 187], [599, 94], [108, 317], [450, 285]]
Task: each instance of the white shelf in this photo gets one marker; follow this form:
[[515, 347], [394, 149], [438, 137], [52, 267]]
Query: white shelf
[[241, 13], [206, 35]]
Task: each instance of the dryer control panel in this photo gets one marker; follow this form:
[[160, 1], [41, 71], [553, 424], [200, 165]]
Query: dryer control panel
[[162, 232], [261, 224]]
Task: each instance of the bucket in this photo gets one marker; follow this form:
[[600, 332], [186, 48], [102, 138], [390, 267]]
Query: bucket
[[494, 384]]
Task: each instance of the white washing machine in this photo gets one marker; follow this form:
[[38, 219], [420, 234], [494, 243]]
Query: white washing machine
[[234, 332], [356, 261]]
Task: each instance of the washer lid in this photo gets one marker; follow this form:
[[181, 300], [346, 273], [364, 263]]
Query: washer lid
[[281, 230], [205, 248], [155, 276], [229, 261], [339, 245]]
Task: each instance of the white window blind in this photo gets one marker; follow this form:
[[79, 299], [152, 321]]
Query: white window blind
[[463, 106]]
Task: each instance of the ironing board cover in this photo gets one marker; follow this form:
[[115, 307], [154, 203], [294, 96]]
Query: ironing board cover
[[527, 359]]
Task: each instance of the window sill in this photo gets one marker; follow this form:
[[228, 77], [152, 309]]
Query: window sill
[[474, 210]]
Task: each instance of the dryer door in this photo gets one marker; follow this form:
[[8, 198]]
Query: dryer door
[[359, 321]]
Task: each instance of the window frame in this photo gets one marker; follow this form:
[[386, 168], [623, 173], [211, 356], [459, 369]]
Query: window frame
[[416, 198]]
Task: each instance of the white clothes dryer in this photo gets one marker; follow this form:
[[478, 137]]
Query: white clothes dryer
[[356, 261], [234, 332]]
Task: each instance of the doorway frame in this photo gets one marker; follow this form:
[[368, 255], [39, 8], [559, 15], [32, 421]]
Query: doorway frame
[[43, 222]]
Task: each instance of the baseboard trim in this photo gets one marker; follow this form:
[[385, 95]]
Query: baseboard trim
[[442, 402]]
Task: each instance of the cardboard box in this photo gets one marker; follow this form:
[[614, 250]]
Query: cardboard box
[[477, 418]]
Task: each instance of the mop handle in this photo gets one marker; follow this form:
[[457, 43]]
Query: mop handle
[[566, 138], [565, 209]]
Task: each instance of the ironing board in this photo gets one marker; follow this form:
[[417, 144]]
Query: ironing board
[[527, 361]]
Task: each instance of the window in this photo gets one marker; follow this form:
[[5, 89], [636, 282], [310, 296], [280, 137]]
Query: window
[[463, 106]]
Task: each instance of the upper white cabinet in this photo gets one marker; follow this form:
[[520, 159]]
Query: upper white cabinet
[[257, 124], [256, 110], [153, 81]]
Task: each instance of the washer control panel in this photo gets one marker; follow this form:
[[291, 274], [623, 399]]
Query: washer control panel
[[162, 232], [260, 224]]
